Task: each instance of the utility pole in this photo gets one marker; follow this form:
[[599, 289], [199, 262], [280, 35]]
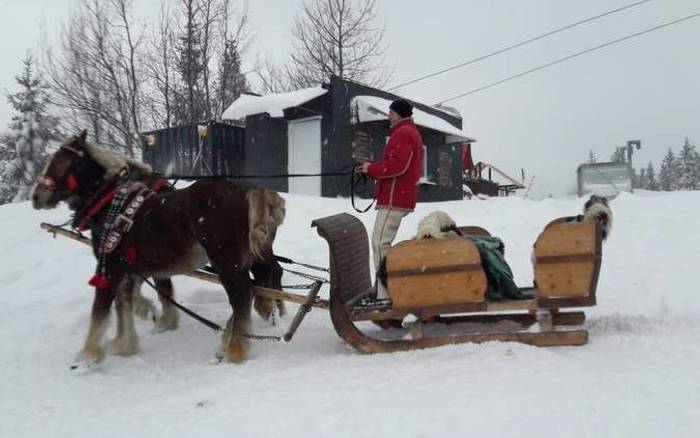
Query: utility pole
[[631, 145]]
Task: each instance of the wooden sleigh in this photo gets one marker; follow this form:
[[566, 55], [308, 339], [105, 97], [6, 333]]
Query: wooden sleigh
[[442, 282]]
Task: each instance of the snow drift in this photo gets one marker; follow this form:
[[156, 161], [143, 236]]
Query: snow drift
[[636, 377]]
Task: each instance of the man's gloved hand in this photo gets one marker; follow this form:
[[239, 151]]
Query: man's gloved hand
[[362, 168]]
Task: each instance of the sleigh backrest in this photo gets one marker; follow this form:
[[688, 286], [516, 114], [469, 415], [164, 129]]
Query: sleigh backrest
[[349, 256], [567, 263]]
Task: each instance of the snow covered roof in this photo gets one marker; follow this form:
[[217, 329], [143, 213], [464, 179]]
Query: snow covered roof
[[273, 104], [372, 108]]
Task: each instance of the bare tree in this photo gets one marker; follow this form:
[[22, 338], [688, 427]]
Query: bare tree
[[338, 37], [127, 58], [271, 77], [160, 70], [94, 72], [108, 77]]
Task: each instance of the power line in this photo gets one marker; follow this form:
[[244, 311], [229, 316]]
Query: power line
[[566, 58], [511, 47]]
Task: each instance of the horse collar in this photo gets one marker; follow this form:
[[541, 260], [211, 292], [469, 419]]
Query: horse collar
[[122, 204]]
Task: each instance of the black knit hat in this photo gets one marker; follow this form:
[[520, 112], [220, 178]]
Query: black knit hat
[[402, 108]]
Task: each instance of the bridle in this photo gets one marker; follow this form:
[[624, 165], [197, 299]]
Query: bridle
[[66, 179]]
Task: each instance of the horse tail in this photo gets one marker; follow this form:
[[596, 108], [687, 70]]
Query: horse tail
[[266, 211]]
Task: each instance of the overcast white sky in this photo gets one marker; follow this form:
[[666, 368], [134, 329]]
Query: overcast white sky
[[647, 88]]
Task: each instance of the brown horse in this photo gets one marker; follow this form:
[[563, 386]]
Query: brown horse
[[173, 232]]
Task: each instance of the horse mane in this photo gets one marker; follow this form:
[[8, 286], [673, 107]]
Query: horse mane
[[266, 211], [113, 162]]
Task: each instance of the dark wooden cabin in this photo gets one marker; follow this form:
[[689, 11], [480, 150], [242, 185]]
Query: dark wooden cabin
[[323, 129]]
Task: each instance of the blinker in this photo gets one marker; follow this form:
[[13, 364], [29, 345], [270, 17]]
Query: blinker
[[72, 183]]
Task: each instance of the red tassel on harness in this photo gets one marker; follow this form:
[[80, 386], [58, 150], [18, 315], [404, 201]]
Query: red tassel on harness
[[72, 183], [131, 255], [99, 281]]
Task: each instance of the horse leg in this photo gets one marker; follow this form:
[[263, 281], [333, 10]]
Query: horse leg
[[267, 273], [276, 276], [126, 342], [234, 346], [142, 306], [168, 320], [99, 317]]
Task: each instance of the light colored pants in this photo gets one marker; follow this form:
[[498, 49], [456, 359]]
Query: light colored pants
[[386, 225]]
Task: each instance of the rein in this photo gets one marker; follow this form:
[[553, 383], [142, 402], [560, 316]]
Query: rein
[[303, 309], [358, 181], [274, 175]]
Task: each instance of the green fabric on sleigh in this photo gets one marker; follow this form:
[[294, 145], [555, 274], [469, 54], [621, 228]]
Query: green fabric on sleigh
[[498, 273]]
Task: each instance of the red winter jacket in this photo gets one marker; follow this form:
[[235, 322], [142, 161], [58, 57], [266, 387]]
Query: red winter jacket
[[400, 168]]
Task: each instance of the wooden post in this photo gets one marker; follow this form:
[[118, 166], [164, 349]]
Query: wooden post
[[544, 320], [303, 310], [273, 294]]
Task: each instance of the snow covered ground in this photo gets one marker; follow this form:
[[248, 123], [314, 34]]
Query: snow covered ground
[[637, 376]]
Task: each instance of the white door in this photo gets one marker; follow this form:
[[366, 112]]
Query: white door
[[304, 152]]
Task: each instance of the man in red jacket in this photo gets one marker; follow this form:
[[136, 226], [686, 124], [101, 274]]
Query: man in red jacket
[[396, 175]]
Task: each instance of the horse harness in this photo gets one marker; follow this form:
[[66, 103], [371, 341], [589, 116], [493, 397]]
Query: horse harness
[[122, 204], [122, 198]]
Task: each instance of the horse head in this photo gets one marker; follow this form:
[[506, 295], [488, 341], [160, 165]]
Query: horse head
[[69, 174], [77, 169]]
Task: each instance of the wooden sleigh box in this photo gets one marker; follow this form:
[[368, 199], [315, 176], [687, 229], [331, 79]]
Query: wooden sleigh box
[[435, 273], [444, 273]]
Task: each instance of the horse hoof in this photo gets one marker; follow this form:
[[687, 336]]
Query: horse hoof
[[90, 356], [86, 361], [83, 367], [143, 308], [235, 358], [274, 317], [123, 347], [164, 324], [281, 308], [238, 352]]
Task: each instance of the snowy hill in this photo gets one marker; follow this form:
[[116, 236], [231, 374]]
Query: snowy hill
[[637, 376]]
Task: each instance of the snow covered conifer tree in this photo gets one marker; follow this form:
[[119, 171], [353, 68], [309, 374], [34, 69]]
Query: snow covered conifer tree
[[687, 167], [668, 173], [639, 180], [7, 171], [618, 156], [190, 64], [231, 80], [31, 131], [591, 156], [651, 182]]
